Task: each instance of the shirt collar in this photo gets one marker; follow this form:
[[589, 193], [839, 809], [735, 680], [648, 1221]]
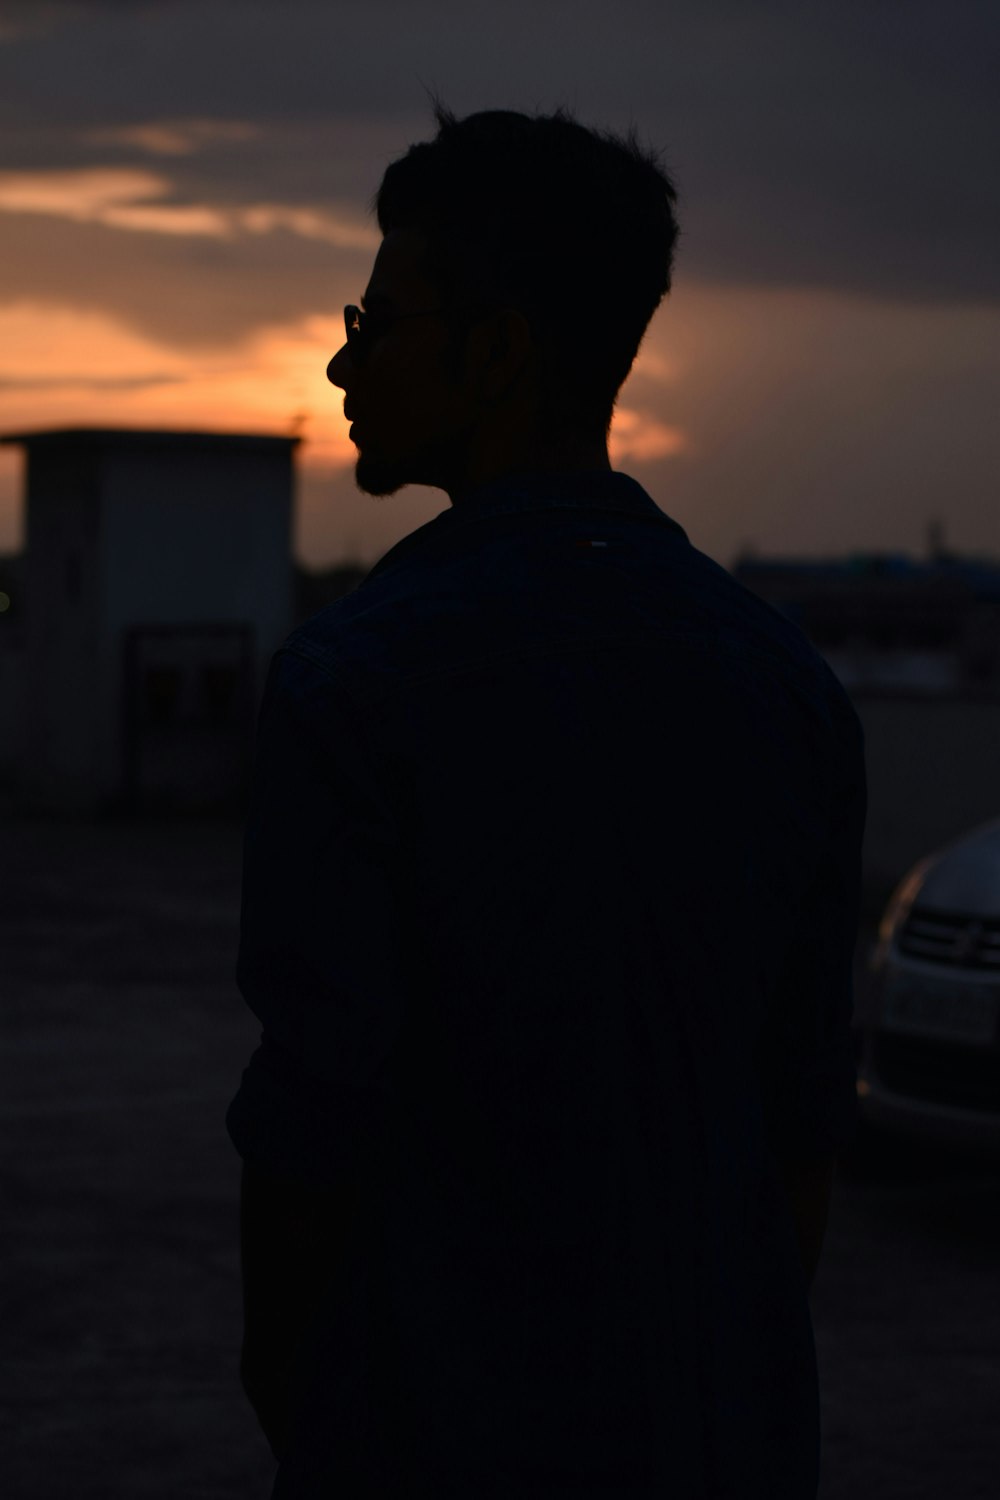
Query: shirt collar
[[592, 490]]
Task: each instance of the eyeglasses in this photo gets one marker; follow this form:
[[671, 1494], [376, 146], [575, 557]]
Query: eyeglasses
[[364, 328]]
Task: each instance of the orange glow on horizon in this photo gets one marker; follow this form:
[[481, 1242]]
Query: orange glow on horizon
[[63, 366]]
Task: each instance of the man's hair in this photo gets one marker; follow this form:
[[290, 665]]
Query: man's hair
[[573, 227]]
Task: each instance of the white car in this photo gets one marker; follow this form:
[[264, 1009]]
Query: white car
[[929, 1045]]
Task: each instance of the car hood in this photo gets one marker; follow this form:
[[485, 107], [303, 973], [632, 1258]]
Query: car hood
[[964, 876]]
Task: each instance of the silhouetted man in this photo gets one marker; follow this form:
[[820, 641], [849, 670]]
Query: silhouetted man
[[550, 895]]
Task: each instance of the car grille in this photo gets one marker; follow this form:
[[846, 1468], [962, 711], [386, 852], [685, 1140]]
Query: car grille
[[939, 1072], [951, 938]]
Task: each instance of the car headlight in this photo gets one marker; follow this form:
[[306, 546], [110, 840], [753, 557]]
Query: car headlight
[[898, 909]]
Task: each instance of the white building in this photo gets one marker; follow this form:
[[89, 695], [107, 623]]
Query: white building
[[158, 583]]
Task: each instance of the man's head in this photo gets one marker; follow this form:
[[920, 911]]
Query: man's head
[[522, 260]]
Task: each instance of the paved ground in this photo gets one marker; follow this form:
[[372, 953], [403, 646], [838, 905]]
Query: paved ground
[[123, 1037]]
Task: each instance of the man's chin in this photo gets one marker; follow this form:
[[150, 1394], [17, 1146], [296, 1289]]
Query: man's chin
[[379, 476], [373, 477]]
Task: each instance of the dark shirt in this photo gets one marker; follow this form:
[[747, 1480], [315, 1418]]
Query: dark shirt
[[550, 894]]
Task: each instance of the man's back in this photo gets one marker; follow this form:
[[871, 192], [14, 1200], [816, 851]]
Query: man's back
[[563, 978]]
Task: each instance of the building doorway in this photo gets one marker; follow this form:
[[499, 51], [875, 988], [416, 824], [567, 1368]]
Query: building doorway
[[188, 717]]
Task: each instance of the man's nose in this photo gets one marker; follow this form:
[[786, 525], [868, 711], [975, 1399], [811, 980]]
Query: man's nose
[[335, 370]]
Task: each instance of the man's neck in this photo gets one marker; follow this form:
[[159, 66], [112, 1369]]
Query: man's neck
[[570, 456]]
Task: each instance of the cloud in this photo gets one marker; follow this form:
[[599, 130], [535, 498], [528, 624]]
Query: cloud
[[61, 366], [169, 218], [117, 197], [83, 195], [49, 346], [70, 366], [820, 422], [175, 137], [183, 292], [107, 195], [310, 223], [651, 364], [824, 145], [84, 382], [639, 436]]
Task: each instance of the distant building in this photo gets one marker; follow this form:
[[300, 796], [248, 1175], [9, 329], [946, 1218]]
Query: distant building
[[916, 644], [886, 621], [156, 584]]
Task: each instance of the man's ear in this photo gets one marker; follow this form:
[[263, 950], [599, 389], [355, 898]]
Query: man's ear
[[502, 347]]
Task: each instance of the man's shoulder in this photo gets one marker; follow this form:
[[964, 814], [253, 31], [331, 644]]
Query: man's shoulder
[[453, 601], [368, 633], [724, 613]]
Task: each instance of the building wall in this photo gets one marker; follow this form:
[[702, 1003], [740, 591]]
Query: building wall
[[191, 538], [12, 728], [141, 548], [62, 698], [11, 672], [199, 534]]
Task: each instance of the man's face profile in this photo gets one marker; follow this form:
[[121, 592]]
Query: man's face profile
[[409, 419]]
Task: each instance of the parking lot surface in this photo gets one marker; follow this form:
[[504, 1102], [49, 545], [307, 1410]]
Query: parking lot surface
[[123, 1038]]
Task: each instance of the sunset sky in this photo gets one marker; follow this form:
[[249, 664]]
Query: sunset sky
[[183, 215]]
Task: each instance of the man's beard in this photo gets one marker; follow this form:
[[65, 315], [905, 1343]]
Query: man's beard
[[381, 476], [375, 476]]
